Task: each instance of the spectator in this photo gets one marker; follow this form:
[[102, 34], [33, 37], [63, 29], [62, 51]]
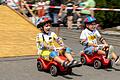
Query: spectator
[[2, 2], [35, 18], [89, 39], [41, 9], [79, 20], [84, 13], [46, 47], [88, 4], [62, 15], [70, 12], [12, 3], [54, 14]]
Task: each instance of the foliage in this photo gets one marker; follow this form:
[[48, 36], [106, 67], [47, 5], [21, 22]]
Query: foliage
[[108, 18]]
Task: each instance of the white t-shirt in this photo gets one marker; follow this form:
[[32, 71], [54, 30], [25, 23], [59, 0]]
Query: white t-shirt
[[90, 36], [47, 38]]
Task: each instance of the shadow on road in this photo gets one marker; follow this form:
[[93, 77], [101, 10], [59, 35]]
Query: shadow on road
[[70, 75], [116, 69], [113, 68]]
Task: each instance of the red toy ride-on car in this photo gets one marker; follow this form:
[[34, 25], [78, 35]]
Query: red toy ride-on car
[[52, 66], [97, 60]]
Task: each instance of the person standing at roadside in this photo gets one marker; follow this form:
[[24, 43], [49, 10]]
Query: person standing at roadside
[[70, 12], [85, 12], [53, 12], [88, 4]]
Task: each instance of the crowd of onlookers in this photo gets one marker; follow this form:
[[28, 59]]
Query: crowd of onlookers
[[60, 16]]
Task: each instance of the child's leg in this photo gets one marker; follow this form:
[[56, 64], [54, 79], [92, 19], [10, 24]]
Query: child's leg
[[55, 56], [69, 22], [68, 54], [92, 49], [55, 18], [100, 52], [114, 55], [72, 63], [111, 54], [79, 20]]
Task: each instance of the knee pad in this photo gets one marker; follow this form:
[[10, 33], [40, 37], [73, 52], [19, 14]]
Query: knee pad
[[111, 49], [68, 50]]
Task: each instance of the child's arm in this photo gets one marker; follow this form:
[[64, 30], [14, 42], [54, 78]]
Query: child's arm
[[58, 40], [103, 41], [61, 10], [86, 43]]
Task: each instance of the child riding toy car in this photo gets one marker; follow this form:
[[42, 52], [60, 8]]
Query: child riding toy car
[[97, 60], [98, 53], [54, 67], [50, 48]]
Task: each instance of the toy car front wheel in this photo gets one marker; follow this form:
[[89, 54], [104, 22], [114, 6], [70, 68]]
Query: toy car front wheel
[[110, 64], [53, 70], [83, 60], [97, 64], [69, 71], [39, 66]]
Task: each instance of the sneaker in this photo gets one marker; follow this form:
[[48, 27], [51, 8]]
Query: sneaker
[[70, 63], [64, 64], [74, 63], [117, 61]]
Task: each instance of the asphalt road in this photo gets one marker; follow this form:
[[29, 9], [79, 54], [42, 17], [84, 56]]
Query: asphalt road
[[24, 68]]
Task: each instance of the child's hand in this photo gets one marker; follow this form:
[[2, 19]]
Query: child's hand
[[51, 47], [92, 44], [95, 45], [60, 48]]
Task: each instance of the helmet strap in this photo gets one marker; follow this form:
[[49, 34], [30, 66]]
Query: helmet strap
[[89, 29], [45, 32]]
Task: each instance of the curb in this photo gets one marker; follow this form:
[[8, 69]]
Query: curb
[[115, 33]]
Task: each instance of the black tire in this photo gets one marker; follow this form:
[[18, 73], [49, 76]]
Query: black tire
[[110, 64], [69, 71], [97, 64], [53, 70], [83, 60], [39, 66]]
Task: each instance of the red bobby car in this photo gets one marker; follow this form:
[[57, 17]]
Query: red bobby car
[[97, 60], [54, 67]]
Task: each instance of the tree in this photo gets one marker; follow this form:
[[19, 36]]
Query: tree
[[108, 18]]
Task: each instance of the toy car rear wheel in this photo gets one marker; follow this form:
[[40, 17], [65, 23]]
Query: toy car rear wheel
[[39, 66], [83, 60], [53, 70], [97, 64]]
